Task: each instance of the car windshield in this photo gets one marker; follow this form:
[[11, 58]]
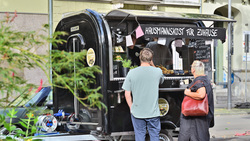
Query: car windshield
[[25, 98], [40, 98]]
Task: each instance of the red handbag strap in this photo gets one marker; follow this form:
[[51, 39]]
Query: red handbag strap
[[197, 81]]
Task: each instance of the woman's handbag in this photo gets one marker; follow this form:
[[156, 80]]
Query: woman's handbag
[[193, 107]]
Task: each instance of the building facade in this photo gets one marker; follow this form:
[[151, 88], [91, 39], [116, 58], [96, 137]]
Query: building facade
[[240, 10], [31, 16], [61, 7]]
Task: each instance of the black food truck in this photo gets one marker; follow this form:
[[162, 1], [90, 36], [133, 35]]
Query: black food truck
[[182, 38]]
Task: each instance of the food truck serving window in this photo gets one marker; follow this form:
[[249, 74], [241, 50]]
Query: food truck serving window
[[176, 40], [174, 47]]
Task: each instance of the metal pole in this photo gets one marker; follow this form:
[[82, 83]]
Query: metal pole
[[246, 77], [76, 102], [246, 50], [200, 6], [229, 97], [50, 35]]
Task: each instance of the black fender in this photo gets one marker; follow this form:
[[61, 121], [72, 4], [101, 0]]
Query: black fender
[[168, 125]]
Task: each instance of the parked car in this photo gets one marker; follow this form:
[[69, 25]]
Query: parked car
[[24, 103]]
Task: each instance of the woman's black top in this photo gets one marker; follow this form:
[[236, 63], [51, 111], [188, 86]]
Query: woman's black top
[[196, 128], [207, 84]]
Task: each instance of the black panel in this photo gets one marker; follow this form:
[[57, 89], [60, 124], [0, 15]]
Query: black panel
[[120, 118], [84, 26], [174, 99]]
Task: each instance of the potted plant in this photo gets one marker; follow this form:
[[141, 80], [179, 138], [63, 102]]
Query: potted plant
[[126, 63], [132, 67]]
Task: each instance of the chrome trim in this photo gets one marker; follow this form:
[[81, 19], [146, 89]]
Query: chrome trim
[[165, 78], [118, 78], [79, 36], [81, 123], [178, 77], [171, 89], [122, 133]]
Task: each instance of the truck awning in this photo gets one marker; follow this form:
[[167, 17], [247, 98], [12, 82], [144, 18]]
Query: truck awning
[[140, 14]]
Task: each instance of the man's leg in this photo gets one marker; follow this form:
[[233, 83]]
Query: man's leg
[[154, 128], [139, 128]]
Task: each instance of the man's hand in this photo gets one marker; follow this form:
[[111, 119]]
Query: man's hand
[[152, 63]]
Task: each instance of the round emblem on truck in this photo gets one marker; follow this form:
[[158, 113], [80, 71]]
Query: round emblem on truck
[[91, 57], [163, 106]]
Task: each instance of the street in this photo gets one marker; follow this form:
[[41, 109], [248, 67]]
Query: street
[[227, 126], [237, 121]]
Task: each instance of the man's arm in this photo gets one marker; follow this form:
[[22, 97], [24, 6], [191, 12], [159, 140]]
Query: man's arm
[[128, 98]]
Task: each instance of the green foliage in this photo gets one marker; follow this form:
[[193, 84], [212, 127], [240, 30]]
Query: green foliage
[[126, 63], [9, 139], [132, 67], [2, 120], [29, 124], [71, 72], [69, 69], [11, 114], [17, 51]]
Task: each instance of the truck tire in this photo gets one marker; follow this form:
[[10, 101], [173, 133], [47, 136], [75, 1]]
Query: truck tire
[[165, 136]]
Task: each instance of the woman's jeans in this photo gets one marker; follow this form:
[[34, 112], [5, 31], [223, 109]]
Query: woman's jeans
[[141, 125]]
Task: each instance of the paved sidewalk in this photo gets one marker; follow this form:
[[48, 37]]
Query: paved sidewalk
[[233, 111], [228, 123]]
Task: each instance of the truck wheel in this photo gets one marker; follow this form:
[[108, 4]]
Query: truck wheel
[[165, 136]]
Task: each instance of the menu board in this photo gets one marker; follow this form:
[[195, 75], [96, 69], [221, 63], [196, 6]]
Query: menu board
[[202, 52]]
